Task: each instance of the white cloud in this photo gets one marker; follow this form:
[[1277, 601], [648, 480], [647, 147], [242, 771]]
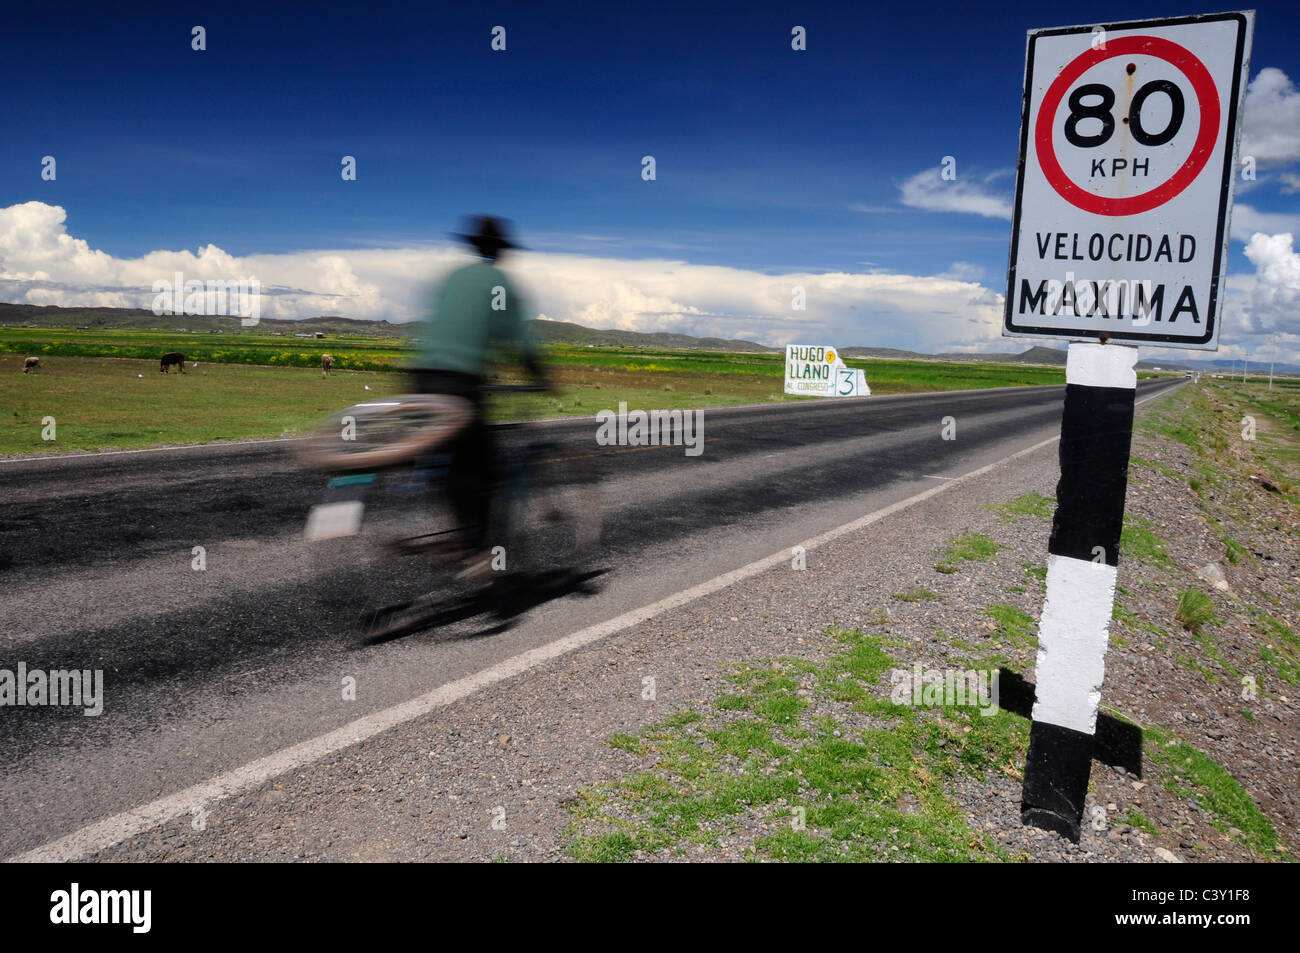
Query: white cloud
[[1290, 183], [1248, 221], [40, 263], [929, 191], [1270, 298], [1271, 122], [964, 271], [1261, 310], [842, 308]]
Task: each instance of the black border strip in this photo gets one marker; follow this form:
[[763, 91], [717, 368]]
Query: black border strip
[[1230, 145], [1057, 768], [1096, 434]]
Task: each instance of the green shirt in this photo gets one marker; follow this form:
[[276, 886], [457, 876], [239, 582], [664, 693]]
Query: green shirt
[[476, 313]]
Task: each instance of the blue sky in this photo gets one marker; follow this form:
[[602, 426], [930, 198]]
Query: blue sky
[[768, 160]]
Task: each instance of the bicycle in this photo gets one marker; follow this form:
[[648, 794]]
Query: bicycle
[[547, 514]]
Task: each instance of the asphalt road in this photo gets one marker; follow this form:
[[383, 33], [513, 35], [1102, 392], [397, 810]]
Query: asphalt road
[[207, 670]]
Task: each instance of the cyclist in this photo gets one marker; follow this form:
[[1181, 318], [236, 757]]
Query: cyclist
[[477, 314]]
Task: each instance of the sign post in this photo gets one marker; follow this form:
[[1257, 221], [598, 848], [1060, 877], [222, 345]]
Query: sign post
[[816, 371], [1128, 152]]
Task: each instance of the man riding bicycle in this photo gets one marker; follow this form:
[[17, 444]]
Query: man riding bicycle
[[477, 314]]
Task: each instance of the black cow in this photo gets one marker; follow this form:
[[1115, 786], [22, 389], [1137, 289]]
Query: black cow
[[175, 357]]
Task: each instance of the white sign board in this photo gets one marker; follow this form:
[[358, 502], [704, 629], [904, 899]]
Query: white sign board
[[816, 371], [1128, 153], [332, 520]]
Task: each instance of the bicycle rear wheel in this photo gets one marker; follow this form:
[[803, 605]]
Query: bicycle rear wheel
[[386, 432], [551, 510]]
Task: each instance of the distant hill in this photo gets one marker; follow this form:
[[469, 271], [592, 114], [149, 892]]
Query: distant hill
[[1038, 354], [550, 332], [140, 319], [565, 332], [886, 353], [1035, 355], [1253, 370]]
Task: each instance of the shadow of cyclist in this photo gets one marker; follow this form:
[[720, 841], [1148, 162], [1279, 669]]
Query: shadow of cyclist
[[504, 602]]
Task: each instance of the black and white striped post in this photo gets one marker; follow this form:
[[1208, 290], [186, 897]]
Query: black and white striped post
[[1082, 565]]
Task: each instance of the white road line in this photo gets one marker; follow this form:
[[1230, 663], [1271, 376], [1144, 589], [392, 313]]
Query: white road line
[[1154, 396], [113, 830]]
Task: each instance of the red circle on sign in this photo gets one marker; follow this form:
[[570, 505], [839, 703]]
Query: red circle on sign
[[1207, 98]]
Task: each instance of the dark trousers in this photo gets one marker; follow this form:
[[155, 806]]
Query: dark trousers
[[474, 474]]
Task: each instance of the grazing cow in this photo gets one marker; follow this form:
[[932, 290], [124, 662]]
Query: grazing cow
[[175, 357], [31, 364], [326, 362]]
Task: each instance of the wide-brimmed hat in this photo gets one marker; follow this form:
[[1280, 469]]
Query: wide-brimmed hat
[[487, 231]]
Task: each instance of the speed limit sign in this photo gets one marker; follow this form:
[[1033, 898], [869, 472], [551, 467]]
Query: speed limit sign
[[1128, 152]]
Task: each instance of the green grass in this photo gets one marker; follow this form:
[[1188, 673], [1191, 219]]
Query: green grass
[[1036, 572], [1013, 624], [1195, 609], [1029, 504], [1208, 475], [1135, 460], [1233, 550], [235, 347], [1197, 426], [1210, 646], [1122, 614], [1138, 542], [1137, 821], [1174, 430], [1188, 772], [970, 547], [916, 595], [104, 404], [1282, 651], [256, 385], [871, 783], [1194, 665], [1282, 662]]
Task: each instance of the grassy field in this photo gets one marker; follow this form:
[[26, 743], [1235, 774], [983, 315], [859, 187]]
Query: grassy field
[[245, 347], [811, 759], [104, 391], [1282, 405], [114, 403], [869, 783]]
